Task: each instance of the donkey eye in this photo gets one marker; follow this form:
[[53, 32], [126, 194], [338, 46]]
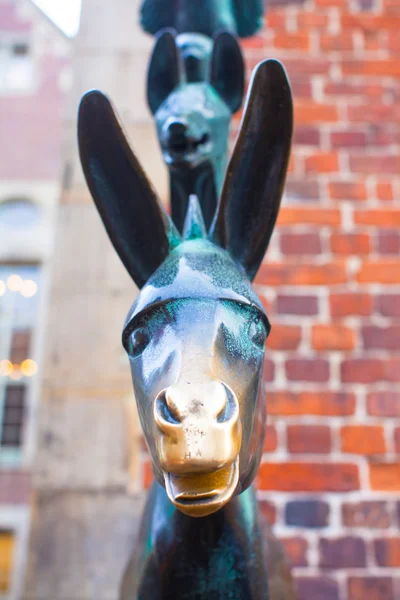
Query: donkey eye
[[258, 332], [138, 341]]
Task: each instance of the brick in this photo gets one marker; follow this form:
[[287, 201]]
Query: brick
[[312, 588], [350, 304], [362, 370], [363, 439], [307, 65], [309, 215], [268, 511], [292, 41], [350, 88], [370, 588], [310, 514], [385, 477], [322, 162], [369, 514], [391, 7], [378, 163], [383, 404], [338, 43], [304, 190], [378, 217], [311, 403], [309, 439], [276, 20], [306, 136], [296, 305], [388, 305], [387, 552], [383, 271], [348, 139], [277, 274], [301, 86], [392, 369], [381, 338], [332, 337], [147, 474], [370, 22], [350, 243], [307, 369], [300, 243], [388, 242], [269, 370], [271, 438], [346, 190], [295, 549], [284, 337], [397, 440], [307, 112], [308, 19], [308, 477], [342, 553], [378, 68], [374, 112]]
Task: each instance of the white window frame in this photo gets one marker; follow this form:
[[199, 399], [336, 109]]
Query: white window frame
[[7, 41], [21, 457]]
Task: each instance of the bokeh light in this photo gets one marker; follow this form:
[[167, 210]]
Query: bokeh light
[[14, 283], [28, 288], [29, 367], [6, 368]]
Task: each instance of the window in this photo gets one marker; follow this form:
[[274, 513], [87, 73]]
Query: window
[[18, 213], [7, 545], [19, 298], [16, 66]]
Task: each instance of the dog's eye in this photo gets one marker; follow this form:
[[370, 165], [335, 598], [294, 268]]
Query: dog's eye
[[138, 341], [258, 332]]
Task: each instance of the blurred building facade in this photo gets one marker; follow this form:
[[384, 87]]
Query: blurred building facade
[[330, 477], [89, 452], [34, 78]]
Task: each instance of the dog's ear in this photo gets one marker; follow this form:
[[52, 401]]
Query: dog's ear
[[165, 70], [141, 231], [255, 178], [227, 71]]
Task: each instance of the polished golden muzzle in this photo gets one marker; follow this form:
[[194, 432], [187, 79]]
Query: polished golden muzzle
[[198, 442]]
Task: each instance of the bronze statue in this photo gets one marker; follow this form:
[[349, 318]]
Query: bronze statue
[[243, 17], [194, 86], [195, 338]]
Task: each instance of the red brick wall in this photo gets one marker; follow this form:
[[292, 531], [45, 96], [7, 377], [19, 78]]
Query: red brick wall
[[330, 478]]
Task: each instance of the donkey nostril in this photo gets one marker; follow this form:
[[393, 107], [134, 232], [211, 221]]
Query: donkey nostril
[[230, 409], [165, 411]]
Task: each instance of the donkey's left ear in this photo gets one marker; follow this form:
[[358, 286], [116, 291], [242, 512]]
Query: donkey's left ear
[[255, 177], [227, 71]]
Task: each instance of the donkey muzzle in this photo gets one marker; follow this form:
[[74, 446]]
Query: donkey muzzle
[[198, 442]]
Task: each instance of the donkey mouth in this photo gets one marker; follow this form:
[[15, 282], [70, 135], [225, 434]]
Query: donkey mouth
[[201, 494]]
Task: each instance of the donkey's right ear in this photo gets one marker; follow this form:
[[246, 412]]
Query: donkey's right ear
[[141, 231], [165, 70]]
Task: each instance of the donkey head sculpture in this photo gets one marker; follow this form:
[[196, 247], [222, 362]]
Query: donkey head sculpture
[[194, 86], [195, 334]]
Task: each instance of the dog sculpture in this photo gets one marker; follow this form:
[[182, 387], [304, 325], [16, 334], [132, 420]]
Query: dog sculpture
[[194, 86], [195, 337], [243, 17]]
